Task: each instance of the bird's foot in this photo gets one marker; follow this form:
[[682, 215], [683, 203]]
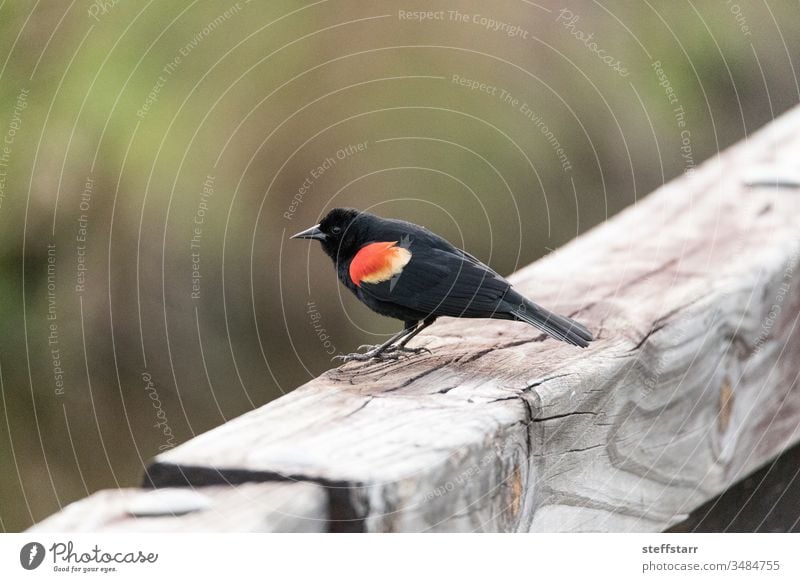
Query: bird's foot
[[407, 351], [372, 354], [368, 347], [376, 353]]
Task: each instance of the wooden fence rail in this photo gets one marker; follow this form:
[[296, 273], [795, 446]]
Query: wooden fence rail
[[691, 385]]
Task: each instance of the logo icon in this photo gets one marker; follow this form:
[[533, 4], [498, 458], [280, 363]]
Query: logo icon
[[31, 555], [405, 243]]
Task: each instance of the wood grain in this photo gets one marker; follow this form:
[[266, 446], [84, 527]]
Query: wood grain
[[264, 507]]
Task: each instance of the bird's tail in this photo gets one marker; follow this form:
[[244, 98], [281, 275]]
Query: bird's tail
[[557, 326]]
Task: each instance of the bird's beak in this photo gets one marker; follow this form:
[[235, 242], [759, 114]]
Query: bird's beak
[[313, 233]]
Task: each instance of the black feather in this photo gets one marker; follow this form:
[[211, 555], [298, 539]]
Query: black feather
[[560, 327]]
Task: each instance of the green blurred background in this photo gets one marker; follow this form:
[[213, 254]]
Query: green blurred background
[[156, 155]]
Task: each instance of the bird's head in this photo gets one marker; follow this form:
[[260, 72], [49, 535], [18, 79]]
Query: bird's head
[[342, 232]]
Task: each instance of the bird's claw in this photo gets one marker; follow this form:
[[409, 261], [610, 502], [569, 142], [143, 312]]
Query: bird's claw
[[408, 351], [372, 354]]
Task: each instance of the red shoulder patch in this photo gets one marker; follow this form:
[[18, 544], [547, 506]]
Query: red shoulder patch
[[378, 262]]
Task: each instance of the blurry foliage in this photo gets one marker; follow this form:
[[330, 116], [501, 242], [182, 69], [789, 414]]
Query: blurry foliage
[[260, 98]]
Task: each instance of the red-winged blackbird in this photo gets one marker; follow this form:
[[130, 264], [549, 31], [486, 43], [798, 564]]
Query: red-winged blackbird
[[405, 271]]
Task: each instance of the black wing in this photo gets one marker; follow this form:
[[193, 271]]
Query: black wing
[[442, 281]]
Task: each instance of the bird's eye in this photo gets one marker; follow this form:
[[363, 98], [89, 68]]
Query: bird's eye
[[336, 230]]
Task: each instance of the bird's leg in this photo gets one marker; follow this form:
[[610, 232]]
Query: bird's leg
[[380, 351], [387, 345], [401, 345]]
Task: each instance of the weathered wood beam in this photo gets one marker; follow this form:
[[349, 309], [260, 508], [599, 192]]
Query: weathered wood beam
[[263, 507]]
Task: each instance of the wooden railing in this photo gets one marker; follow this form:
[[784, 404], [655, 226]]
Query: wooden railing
[[691, 385]]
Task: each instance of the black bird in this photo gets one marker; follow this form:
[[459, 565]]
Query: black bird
[[405, 271]]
